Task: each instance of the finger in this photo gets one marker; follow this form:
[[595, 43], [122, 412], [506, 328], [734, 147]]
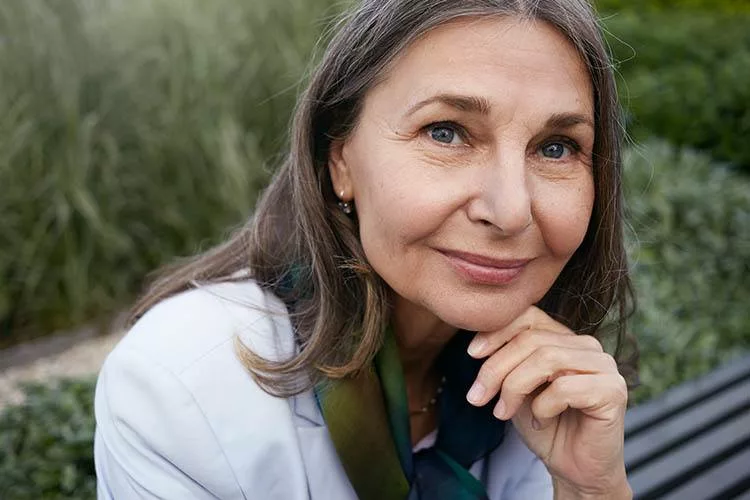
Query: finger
[[496, 367], [485, 343], [546, 365], [601, 396]]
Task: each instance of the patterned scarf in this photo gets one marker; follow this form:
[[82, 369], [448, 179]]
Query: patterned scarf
[[368, 420]]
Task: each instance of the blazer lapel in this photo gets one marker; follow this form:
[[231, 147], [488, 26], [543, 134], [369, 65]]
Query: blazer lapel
[[326, 478], [306, 411]]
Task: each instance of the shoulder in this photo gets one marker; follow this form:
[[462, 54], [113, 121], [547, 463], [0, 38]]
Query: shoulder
[[182, 330], [173, 400], [191, 340]]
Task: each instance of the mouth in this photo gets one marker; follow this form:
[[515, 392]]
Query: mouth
[[483, 269]]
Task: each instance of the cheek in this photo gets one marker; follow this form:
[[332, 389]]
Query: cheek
[[563, 216], [391, 226], [401, 204], [398, 201]]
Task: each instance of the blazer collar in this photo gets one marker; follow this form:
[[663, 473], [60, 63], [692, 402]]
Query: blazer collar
[[306, 410]]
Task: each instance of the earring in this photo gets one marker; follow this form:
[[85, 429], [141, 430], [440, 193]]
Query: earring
[[345, 206]]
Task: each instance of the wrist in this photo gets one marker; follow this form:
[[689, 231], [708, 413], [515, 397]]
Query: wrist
[[566, 491]]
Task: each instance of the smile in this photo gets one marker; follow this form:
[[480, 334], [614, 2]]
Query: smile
[[485, 270]]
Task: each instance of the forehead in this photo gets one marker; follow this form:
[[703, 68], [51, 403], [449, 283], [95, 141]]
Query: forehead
[[499, 59]]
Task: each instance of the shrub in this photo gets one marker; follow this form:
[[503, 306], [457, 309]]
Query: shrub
[[132, 132], [690, 254], [46, 443], [685, 78], [672, 5]]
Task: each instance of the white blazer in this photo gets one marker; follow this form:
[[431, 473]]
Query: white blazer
[[179, 417]]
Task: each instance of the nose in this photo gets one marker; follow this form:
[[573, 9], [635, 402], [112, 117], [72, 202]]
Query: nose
[[501, 195]]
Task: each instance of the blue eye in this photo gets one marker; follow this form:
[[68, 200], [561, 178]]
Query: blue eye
[[555, 150], [444, 133]]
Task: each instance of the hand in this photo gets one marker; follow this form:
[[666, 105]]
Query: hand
[[566, 399]]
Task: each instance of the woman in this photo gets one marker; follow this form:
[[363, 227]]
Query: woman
[[413, 311]]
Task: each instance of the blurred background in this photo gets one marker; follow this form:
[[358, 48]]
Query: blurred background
[[135, 131]]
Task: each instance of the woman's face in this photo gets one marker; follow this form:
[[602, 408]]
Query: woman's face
[[471, 169]]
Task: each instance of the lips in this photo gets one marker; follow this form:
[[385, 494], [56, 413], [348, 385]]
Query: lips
[[485, 270]]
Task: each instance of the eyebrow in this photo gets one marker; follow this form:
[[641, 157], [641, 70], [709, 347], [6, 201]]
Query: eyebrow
[[471, 104], [568, 120], [481, 106]]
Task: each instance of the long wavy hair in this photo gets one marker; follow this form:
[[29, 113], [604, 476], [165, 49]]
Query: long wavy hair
[[301, 247]]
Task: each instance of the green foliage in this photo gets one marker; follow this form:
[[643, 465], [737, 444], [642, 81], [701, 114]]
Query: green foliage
[[132, 132], [690, 254], [685, 78], [672, 5], [46, 443]]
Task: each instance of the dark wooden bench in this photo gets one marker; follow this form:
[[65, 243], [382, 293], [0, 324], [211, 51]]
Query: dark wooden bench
[[693, 442]]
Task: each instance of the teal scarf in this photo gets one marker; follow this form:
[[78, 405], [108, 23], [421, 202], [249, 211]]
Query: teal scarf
[[368, 420]]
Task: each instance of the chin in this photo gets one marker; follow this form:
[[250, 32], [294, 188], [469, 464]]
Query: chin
[[477, 317]]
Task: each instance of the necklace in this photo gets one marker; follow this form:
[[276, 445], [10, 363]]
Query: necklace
[[431, 402]]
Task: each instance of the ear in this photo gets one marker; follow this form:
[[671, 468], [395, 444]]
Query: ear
[[340, 171]]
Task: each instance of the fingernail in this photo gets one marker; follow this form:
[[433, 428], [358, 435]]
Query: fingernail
[[499, 411], [476, 393], [477, 346], [535, 424]]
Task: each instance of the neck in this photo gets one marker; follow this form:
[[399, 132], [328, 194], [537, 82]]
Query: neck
[[421, 337]]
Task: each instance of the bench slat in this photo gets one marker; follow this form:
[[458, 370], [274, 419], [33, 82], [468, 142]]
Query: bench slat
[[686, 458], [683, 425], [723, 476], [685, 395]]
